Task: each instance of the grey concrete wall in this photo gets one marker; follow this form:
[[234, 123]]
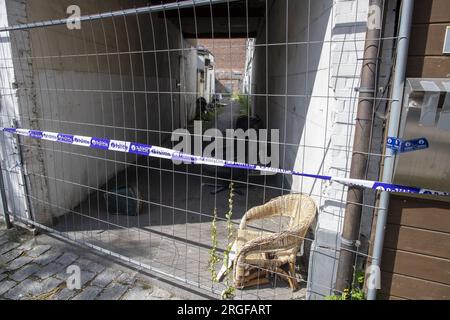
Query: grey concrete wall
[[118, 78]]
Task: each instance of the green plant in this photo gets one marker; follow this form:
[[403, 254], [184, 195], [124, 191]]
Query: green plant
[[228, 293], [359, 278], [333, 297], [244, 102], [356, 292], [208, 115], [213, 256], [337, 297]]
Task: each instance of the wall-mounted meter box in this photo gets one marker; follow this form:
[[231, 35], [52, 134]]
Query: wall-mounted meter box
[[446, 49], [425, 114]]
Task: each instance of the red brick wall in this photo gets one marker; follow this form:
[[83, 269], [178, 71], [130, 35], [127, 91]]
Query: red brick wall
[[229, 56]]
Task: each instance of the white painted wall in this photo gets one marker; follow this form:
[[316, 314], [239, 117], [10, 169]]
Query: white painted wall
[[322, 74], [323, 70], [318, 73]]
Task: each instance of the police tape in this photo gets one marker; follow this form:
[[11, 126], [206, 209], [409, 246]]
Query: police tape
[[164, 153]]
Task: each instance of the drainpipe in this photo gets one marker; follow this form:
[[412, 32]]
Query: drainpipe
[[363, 129], [393, 128]]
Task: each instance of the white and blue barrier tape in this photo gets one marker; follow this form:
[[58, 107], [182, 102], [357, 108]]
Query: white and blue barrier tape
[[164, 153], [400, 146]]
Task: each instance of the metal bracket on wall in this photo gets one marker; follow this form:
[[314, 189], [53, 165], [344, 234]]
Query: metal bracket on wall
[[364, 90]]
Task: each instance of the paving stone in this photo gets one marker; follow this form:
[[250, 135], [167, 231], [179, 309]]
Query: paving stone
[[105, 278], [67, 258], [49, 270], [6, 285], [62, 273], [88, 265], [28, 245], [29, 262], [96, 267], [113, 292], [126, 278], [88, 294], [38, 250], [23, 289], [30, 289], [18, 263], [25, 272], [86, 276], [160, 294], [11, 255], [3, 240], [138, 293], [82, 262], [43, 287], [47, 257], [8, 247], [65, 294], [49, 284]]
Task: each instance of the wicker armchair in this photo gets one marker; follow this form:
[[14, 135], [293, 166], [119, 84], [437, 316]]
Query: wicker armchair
[[259, 253]]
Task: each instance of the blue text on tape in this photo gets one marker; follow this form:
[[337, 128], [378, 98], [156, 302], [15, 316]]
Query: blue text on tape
[[401, 146]]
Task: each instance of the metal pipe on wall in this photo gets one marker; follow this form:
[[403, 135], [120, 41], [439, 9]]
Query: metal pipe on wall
[[361, 145], [406, 15]]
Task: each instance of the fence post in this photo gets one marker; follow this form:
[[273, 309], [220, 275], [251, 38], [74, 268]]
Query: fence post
[[4, 200]]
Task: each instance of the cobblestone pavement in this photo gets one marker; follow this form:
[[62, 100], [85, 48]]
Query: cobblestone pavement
[[32, 270]]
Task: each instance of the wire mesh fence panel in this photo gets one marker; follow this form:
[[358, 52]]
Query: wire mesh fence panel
[[178, 136]]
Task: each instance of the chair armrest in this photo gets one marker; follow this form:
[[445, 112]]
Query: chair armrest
[[280, 241]]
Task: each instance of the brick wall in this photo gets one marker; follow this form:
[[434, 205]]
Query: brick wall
[[229, 55]]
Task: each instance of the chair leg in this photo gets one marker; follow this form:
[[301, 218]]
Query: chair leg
[[256, 278], [293, 275], [286, 276]]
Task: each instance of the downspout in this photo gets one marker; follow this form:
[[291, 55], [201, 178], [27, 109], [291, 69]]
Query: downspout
[[361, 145], [393, 128]]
